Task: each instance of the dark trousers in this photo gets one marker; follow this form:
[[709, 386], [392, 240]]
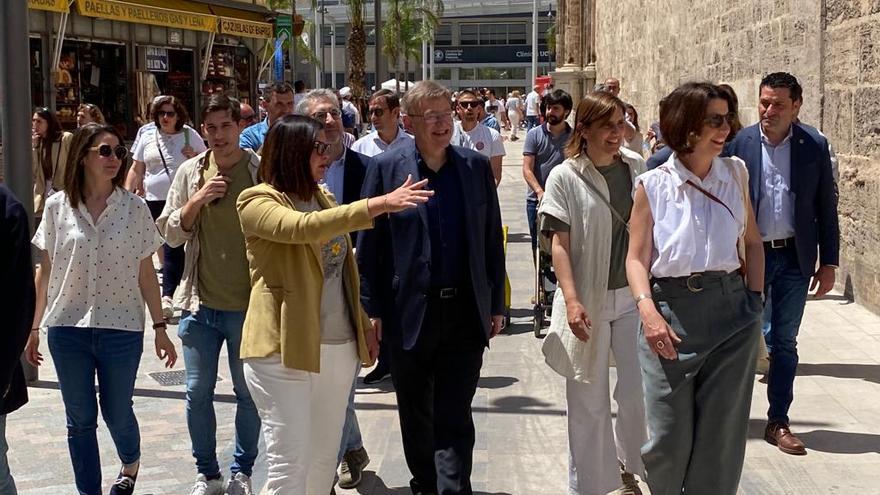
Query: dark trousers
[[786, 288], [435, 382], [172, 267]]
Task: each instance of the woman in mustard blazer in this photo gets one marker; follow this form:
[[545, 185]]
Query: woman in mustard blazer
[[305, 329]]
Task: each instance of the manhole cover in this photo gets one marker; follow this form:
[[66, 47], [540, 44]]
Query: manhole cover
[[171, 378]]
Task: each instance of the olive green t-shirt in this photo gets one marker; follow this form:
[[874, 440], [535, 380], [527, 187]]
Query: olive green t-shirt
[[224, 279], [617, 176]]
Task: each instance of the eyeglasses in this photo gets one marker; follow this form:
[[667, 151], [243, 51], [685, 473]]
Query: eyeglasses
[[321, 148], [378, 112], [106, 150], [322, 116], [470, 104], [717, 120], [163, 113], [433, 118]]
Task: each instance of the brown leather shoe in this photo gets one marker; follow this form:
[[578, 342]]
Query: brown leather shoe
[[780, 435]]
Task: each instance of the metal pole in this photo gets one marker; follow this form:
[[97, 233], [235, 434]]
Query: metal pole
[[316, 42], [534, 43], [321, 41], [424, 57], [293, 41], [431, 58], [15, 115], [381, 70], [333, 52]]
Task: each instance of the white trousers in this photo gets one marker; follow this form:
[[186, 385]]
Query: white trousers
[[302, 414], [594, 451]]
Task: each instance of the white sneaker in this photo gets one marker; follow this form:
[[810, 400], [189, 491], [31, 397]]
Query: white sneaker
[[167, 307], [204, 486], [240, 484]]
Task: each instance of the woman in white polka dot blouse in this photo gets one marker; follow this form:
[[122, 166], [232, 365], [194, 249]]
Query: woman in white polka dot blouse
[[95, 244]]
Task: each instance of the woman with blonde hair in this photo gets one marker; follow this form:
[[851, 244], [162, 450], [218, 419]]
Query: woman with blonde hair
[[696, 269], [514, 113], [305, 330], [585, 213]]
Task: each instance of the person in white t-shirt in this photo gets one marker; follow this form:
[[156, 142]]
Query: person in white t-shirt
[[470, 133], [156, 158], [533, 110]]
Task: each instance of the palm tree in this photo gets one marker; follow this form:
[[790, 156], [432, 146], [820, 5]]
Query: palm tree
[[410, 23], [357, 48]]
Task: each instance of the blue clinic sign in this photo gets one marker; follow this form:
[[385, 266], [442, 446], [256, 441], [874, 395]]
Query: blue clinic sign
[[488, 54], [156, 59], [279, 60]]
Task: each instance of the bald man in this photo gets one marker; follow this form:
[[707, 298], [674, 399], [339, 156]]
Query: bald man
[[248, 116], [613, 86]]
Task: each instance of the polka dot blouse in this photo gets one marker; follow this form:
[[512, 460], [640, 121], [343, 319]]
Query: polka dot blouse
[[93, 282]]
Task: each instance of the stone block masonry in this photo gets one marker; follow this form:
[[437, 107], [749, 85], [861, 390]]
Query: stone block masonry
[[832, 46]]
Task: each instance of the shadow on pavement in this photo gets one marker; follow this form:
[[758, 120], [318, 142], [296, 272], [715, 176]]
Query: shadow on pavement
[[868, 372], [757, 426], [519, 237], [841, 442], [522, 321], [142, 392], [372, 484], [514, 404], [496, 382]]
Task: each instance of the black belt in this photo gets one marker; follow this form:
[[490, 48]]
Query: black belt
[[444, 292], [697, 282], [779, 243]]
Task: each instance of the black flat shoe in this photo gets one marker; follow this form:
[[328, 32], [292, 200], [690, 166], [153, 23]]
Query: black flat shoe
[[124, 484]]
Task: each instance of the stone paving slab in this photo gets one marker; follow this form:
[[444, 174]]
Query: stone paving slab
[[521, 446]]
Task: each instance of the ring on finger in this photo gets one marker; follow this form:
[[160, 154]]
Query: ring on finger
[[660, 345]]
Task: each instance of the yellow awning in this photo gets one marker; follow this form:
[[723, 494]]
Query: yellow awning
[[50, 5], [239, 22], [184, 15]]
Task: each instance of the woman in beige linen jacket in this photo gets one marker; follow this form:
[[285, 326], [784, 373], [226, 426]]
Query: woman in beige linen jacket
[[49, 156], [584, 212], [305, 329]]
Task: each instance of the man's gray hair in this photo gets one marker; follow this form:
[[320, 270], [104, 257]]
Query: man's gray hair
[[302, 108], [411, 102]]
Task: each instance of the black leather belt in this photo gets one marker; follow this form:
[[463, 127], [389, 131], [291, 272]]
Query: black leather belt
[[443, 293], [779, 243]]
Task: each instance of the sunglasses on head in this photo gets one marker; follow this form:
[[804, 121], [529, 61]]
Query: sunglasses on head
[[321, 148], [470, 104], [106, 150], [170, 115], [717, 120]]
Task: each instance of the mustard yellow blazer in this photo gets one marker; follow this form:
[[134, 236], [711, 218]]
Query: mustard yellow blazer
[[284, 254]]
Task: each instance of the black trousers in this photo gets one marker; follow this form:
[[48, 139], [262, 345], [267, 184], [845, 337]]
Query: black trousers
[[435, 382]]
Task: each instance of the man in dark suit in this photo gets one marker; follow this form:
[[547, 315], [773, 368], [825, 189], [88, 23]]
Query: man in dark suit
[[792, 189], [432, 282], [17, 299], [344, 178]]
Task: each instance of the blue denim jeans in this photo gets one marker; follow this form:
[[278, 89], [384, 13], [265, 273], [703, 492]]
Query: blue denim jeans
[[7, 484], [114, 356], [786, 289], [351, 431], [202, 334], [532, 121]]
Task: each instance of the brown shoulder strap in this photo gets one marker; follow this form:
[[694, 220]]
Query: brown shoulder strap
[[704, 191]]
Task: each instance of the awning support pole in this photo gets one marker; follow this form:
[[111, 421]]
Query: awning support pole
[[208, 49], [59, 40]]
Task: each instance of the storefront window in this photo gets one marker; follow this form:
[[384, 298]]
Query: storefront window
[[498, 73], [516, 34], [229, 72], [493, 34], [174, 71], [470, 34], [443, 74], [92, 73]]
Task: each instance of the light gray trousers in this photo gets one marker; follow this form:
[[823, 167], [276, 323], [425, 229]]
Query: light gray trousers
[[697, 406]]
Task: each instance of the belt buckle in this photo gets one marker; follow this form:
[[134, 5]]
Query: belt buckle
[[777, 243], [694, 282], [447, 293]]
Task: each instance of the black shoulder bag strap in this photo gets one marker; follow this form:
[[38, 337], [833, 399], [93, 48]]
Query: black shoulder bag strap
[[161, 155], [599, 195]]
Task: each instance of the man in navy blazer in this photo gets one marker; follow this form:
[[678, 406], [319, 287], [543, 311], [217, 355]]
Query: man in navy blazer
[[793, 194], [432, 281]]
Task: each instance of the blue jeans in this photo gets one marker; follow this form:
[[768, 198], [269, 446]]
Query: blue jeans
[[531, 121], [786, 288], [114, 355], [351, 431], [7, 484], [202, 335]]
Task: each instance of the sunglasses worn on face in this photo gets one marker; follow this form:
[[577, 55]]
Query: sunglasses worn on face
[[470, 104], [378, 112], [717, 120], [322, 116], [170, 114], [321, 148], [106, 150]]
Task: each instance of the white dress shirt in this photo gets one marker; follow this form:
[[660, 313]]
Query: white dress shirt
[[372, 144], [693, 233], [776, 207], [93, 281]]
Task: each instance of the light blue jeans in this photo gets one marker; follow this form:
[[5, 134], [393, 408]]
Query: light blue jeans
[[351, 432], [7, 484]]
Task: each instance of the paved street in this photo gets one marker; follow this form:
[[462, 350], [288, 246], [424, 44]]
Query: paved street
[[519, 410]]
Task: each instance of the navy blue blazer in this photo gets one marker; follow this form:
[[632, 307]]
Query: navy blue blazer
[[394, 256], [355, 166], [17, 299], [812, 183]]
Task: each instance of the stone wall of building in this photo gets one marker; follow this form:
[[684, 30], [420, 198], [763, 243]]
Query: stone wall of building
[[832, 46]]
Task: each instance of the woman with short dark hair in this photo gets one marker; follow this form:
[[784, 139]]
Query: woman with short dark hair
[[50, 145], [696, 269], [95, 273], [305, 329], [157, 156]]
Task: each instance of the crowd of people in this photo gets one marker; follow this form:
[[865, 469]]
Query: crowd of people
[[310, 253]]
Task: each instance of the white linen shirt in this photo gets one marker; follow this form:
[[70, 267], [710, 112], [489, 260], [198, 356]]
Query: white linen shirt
[[372, 144], [693, 233], [93, 281]]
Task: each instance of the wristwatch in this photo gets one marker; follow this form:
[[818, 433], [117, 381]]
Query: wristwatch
[[159, 325]]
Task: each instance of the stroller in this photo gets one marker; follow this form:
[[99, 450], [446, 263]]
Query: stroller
[[545, 287]]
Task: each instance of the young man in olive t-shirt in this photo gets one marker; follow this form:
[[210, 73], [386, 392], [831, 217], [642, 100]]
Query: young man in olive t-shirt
[[214, 292]]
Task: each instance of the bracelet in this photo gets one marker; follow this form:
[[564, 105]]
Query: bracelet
[[159, 325], [385, 203], [641, 297], [37, 329]]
